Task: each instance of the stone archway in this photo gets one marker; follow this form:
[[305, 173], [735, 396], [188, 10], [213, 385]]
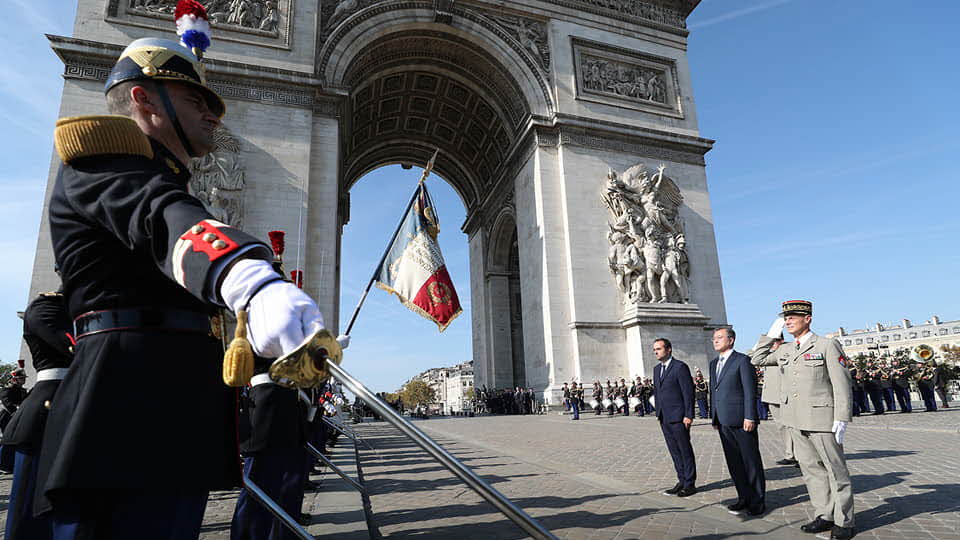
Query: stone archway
[[545, 113]]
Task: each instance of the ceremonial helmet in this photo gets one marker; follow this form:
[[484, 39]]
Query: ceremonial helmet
[[157, 59]]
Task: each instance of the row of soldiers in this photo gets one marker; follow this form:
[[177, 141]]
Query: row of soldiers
[[614, 398], [516, 400], [888, 384]]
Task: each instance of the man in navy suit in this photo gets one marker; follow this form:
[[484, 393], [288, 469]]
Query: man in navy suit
[[734, 412], [673, 387]]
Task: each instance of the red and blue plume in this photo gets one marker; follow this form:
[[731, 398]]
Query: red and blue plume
[[193, 26]]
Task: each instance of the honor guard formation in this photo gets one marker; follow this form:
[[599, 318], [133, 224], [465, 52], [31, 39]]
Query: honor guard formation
[[149, 279]]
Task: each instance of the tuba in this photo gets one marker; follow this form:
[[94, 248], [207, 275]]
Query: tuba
[[922, 353]]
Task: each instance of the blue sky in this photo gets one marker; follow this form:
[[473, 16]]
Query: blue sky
[[833, 176]]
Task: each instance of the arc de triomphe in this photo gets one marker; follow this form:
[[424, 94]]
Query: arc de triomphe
[[567, 127]]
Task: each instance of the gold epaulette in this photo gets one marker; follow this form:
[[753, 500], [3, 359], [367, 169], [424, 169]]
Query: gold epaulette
[[84, 136], [50, 294]]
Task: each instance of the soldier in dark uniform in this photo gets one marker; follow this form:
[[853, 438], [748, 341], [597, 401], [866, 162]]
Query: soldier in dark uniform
[[900, 376], [576, 399], [48, 333], [11, 396], [925, 380], [611, 394], [700, 391], [598, 397], [886, 386], [274, 454], [144, 266], [566, 397], [859, 396], [940, 380], [871, 383]]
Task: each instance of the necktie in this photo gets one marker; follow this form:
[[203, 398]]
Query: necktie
[[720, 366], [798, 345]]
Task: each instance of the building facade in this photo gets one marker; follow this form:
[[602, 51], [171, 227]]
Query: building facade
[[452, 386], [881, 339]]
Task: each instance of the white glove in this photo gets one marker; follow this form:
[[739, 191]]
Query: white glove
[[343, 340], [280, 315], [776, 329], [839, 428]]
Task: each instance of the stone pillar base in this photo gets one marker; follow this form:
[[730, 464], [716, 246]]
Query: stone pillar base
[[683, 324]]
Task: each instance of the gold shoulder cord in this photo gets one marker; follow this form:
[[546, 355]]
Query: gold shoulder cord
[[83, 136]]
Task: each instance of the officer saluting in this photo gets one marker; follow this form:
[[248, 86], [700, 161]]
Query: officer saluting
[[47, 332], [144, 266], [815, 405]]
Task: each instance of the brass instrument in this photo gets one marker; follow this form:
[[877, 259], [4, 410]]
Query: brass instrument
[[922, 353]]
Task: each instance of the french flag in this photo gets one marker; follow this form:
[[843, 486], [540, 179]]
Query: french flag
[[414, 269]]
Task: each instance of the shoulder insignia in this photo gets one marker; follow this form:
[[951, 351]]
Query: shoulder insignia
[[50, 294], [83, 136]]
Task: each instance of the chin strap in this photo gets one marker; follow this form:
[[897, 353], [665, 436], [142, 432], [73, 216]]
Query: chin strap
[[172, 113]]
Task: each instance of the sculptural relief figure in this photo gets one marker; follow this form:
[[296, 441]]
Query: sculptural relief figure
[[344, 9], [647, 253], [253, 14], [531, 34], [220, 177]]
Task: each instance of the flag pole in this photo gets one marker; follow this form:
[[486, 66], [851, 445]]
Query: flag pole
[[403, 216]]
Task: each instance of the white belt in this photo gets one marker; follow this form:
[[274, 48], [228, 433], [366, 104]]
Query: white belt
[[263, 378], [52, 374]]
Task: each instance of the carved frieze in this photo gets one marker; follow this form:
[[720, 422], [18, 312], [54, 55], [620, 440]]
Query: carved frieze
[[219, 178], [627, 79], [268, 20], [630, 10], [647, 255]]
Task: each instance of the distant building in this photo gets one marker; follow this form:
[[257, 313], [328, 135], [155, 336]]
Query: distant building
[[885, 338], [451, 386]]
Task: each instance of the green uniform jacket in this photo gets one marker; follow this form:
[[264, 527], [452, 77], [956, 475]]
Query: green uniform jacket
[[815, 385]]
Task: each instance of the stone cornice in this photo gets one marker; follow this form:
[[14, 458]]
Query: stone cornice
[[93, 60], [647, 13]]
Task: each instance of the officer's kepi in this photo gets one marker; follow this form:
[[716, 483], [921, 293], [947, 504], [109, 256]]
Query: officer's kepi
[[160, 60], [797, 307]]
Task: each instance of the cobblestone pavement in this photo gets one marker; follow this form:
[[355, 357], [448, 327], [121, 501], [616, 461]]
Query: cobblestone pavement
[[601, 478]]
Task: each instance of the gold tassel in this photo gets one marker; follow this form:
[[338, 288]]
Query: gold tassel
[[238, 360]]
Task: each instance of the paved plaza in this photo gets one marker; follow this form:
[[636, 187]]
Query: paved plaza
[[601, 478]]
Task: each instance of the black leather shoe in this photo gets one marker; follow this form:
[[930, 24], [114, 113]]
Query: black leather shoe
[[674, 490], [757, 510], [842, 533], [687, 491], [736, 507], [787, 462], [817, 525]]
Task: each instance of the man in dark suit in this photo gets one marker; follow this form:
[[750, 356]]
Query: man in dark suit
[[734, 413], [673, 387]]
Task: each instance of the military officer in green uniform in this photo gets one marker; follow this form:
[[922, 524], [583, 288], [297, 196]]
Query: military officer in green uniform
[[815, 405]]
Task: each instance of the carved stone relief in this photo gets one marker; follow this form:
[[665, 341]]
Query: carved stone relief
[[220, 177], [630, 9], [531, 34], [626, 79], [648, 256], [262, 17]]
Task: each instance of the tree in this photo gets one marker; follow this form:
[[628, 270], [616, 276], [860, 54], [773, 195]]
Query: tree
[[416, 393], [951, 354]]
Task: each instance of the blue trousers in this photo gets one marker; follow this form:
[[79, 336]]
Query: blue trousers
[[702, 405], [21, 525], [280, 474], [929, 399], [575, 403], [124, 514], [763, 412], [677, 437], [888, 398], [903, 396], [876, 397]]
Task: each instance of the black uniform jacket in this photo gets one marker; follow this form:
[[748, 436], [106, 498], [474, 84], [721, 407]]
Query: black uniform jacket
[[46, 330], [273, 417], [139, 408]]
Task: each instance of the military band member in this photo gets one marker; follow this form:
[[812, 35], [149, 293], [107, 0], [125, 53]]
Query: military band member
[[871, 383], [900, 377], [701, 392], [859, 394], [48, 333], [11, 396], [144, 266], [925, 380], [940, 380], [611, 394], [598, 397], [624, 393], [815, 404], [886, 385]]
